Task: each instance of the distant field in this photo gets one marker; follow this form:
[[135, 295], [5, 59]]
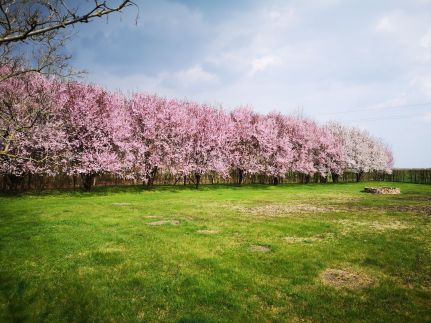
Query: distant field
[[317, 252]]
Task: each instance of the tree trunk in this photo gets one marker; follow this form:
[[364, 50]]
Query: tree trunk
[[185, 180], [275, 180], [359, 176], [323, 179], [87, 181], [29, 181], [307, 178], [241, 176], [198, 180], [335, 177], [13, 181], [152, 176]]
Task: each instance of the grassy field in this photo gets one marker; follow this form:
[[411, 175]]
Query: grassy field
[[318, 252]]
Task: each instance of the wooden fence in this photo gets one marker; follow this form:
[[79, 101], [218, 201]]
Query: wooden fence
[[414, 175], [40, 183]]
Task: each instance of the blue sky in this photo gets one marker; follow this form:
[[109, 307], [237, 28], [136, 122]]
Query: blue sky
[[363, 63]]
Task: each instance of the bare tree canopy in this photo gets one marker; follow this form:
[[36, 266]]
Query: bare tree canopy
[[32, 31]]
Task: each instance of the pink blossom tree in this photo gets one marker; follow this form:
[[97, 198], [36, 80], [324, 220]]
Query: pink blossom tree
[[315, 149], [363, 153], [30, 133], [52, 127], [243, 142], [203, 139], [276, 146], [89, 123], [155, 137], [328, 153], [301, 138]]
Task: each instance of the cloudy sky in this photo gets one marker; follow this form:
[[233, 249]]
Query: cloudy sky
[[364, 63]]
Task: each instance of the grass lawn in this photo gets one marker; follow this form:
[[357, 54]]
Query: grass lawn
[[317, 252]]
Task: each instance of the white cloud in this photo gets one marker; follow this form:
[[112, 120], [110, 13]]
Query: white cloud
[[426, 40], [279, 17], [262, 63], [195, 75], [423, 84], [427, 116], [164, 83], [385, 24]]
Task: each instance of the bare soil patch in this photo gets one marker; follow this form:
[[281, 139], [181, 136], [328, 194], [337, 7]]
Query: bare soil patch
[[345, 278], [420, 209], [163, 222], [259, 248]]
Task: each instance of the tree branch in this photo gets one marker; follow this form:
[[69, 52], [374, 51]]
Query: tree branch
[[101, 9]]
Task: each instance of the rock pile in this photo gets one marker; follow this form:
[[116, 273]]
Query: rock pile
[[382, 190]]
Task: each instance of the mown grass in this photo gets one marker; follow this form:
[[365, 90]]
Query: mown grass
[[74, 256]]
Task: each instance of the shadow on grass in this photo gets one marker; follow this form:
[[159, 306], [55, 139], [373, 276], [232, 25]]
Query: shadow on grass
[[108, 190], [105, 190]]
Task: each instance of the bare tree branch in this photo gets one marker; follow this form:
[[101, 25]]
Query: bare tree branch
[[32, 33], [36, 27]]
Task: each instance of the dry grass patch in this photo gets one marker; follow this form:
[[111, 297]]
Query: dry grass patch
[[345, 278], [163, 222], [121, 204], [419, 209], [277, 210], [112, 248], [82, 271], [207, 232], [351, 225], [317, 238], [259, 248]]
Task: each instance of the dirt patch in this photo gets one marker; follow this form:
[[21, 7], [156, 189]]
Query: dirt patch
[[207, 232], [163, 222], [345, 278], [121, 204], [259, 248], [421, 209]]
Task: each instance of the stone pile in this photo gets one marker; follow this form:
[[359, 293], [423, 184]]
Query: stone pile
[[382, 190]]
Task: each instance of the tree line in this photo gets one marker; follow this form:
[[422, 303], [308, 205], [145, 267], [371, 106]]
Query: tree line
[[50, 126]]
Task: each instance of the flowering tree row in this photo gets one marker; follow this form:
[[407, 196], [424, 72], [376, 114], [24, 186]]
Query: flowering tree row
[[54, 127]]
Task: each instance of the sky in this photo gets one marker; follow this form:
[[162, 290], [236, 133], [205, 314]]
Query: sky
[[362, 63]]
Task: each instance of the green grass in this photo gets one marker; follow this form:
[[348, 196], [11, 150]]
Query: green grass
[[72, 256]]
